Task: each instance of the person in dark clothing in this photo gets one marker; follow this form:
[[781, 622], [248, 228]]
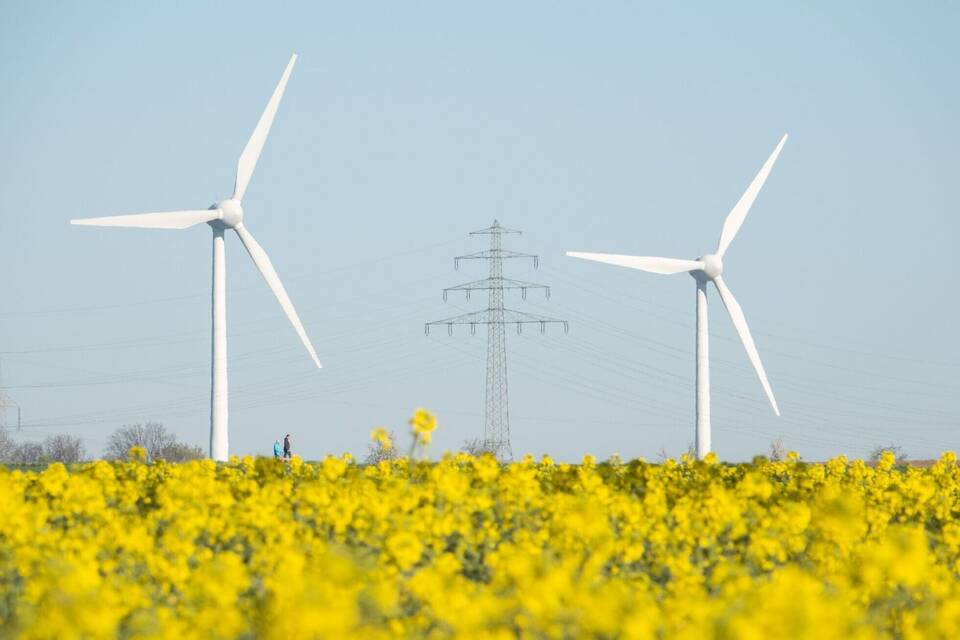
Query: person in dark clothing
[[286, 447]]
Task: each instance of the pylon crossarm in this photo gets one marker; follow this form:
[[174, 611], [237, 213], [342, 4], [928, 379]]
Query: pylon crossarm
[[520, 318], [497, 283], [472, 319], [495, 228], [487, 316], [492, 254]]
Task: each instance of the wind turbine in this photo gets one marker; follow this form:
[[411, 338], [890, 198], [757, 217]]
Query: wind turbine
[[708, 269], [225, 214]]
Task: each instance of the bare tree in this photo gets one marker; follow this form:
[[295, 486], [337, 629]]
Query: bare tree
[[27, 453], [377, 451], [691, 452], [152, 436], [478, 447], [897, 451], [7, 445], [181, 452], [777, 450], [64, 448]]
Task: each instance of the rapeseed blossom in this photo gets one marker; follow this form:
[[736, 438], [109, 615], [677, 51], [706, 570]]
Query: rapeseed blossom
[[423, 422], [467, 547], [380, 435], [422, 425]]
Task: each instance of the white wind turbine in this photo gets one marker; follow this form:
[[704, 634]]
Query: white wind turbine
[[708, 269], [226, 214]]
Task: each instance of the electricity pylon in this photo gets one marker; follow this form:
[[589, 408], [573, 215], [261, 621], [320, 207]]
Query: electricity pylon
[[496, 433]]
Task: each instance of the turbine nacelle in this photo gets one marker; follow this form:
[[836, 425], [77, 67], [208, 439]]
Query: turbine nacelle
[[712, 267], [231, 213]]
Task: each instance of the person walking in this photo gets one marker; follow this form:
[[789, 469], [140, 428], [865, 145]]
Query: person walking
[[277, 449], [286, 447]]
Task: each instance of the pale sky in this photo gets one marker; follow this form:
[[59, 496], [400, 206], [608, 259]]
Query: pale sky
[[616, 127]]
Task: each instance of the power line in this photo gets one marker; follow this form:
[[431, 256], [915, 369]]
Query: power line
[[232, 290]]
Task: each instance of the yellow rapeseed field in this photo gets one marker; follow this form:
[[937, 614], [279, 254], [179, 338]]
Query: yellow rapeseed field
[[466, 547]]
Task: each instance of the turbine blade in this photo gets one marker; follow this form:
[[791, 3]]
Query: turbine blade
[[665, 266], [740, 324], [164, 220], [739, 212], [251, 153], [269, 274]]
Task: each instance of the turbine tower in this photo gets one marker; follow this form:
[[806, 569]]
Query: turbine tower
[[496, 432], [221, 216], [706, 269]]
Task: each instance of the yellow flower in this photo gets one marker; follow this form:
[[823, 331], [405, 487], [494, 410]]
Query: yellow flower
[[405, 548], [381, 436], [469, 547], [423, 421]]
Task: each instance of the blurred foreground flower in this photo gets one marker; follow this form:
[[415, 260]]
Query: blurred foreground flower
[[423, 421], [380, 436], [422, 425]]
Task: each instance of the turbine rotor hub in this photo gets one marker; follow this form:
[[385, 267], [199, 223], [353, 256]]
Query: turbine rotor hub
[[712, 267], [231, 213]]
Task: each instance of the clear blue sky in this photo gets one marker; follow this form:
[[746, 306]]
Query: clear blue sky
[[618, 127]]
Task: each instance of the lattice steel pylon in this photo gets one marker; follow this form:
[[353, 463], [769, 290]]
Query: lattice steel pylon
[[496, 432]]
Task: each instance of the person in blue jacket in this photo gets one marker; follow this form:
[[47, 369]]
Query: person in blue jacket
[[277, 449]]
